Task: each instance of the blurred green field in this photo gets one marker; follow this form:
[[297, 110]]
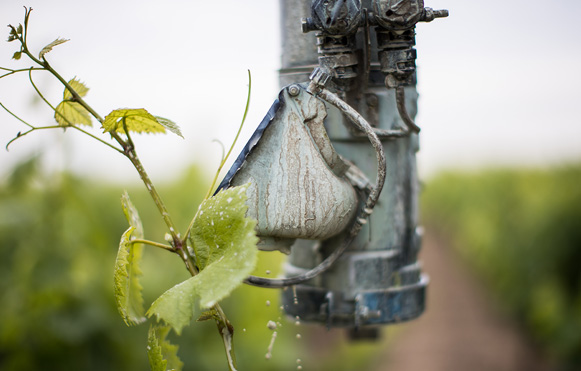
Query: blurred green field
[[520, 231], [59, 236]]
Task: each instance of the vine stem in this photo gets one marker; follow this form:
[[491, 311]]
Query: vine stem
[[224, 158], [153, 243], [225, 328]]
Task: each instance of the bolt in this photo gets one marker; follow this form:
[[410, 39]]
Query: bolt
[[372, 100], [294, 90]]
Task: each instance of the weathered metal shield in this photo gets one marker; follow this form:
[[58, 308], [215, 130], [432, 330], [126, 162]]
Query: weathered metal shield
[[295, 191]]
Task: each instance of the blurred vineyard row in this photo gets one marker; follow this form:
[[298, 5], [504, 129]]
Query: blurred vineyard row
[[520, 231]]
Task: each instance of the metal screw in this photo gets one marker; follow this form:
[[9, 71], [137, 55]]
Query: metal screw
[[294, 90]]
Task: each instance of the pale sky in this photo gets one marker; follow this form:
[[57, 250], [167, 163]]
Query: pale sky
[[498, 80]]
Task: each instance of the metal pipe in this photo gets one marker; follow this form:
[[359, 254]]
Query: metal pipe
[[401, 109]]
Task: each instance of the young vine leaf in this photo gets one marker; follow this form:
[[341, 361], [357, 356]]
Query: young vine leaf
[[225, 243], [49, 47], [224, 240], [69, 112], [77, 86], [162, 354], [128, 289], [170, 125], [176, 306], [139, 121], [15, 33]]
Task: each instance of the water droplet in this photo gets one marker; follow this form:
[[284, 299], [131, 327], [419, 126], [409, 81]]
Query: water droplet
[[270, 346], [271, 325], [267, 272], [295, 299], [298, 361], [268, 303], [243, 330], [299, 367], [298, 336]]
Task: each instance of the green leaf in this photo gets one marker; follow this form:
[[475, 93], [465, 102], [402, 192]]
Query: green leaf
[[176, 306], [225, 245], [131, 215], [128, 289], [161, 353], [220, 222], [137, 120], [156, 361], [49, 47], [69, 112], [14, 33], [72, 113], [77, 86], [170, 125]]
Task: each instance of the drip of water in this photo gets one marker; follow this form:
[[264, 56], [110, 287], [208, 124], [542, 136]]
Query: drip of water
[[270, 346], [295, 299]]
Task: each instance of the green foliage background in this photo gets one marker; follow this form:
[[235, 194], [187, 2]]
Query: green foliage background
[[519, 229], [521, 232], [59, 236]]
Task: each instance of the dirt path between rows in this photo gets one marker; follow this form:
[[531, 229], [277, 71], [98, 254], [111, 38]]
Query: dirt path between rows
[[461, 328]]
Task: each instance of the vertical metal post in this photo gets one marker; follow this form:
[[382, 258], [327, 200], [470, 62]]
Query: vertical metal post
[[299, 50], [378, 279]]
